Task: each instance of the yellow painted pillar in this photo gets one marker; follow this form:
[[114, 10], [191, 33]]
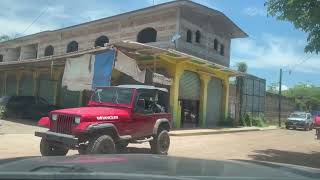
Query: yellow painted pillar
[[5, 83], [56, 74], [35, 76], [18, 78], [174, 96], [204, 78], [226, 96]]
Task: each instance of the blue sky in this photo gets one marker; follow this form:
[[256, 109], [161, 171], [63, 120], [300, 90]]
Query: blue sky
[[271, 44]]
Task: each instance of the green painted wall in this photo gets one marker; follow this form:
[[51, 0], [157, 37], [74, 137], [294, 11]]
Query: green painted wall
[[11, 85], [26, 85]]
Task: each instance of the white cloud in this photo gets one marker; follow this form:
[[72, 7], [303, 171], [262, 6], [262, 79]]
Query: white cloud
[[254, 11], [275, 52], [283, 87]]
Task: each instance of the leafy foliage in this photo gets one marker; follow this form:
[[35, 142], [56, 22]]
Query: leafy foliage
[[2, 112], [304, 15], [4, 38], [307, 97], [242, 67], [249, 120], [273, 88]]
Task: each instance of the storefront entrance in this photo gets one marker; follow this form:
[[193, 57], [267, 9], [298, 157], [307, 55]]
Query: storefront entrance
[[189, 98], [189, 113]]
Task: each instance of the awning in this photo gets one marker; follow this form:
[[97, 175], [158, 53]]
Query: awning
[[143, 52]]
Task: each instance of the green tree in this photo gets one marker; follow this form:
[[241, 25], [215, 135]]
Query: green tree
[[303, 14], [273, 88], [307, 97], [242, 67], [4, 38]]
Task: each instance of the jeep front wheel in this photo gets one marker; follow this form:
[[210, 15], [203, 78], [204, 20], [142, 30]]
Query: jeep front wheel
[[49, 149], [101, 145], [161, 142]]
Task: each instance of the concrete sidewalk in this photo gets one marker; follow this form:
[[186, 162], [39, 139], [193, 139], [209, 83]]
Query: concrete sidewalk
[[196, 132]]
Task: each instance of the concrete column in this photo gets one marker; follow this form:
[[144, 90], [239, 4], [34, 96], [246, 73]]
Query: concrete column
[[204, 78], [18, 77], [35, 83], [174, 95], [56, 76]]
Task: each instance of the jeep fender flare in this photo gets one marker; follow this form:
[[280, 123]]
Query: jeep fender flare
[[103, 128], [158, 123]]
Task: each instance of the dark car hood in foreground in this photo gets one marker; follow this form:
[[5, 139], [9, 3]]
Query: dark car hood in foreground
[[138, 166]]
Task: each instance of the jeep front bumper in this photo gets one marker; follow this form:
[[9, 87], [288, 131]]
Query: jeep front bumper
[[65, 139]]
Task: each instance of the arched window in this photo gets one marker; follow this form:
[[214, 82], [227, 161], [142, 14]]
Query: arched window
[[49, 51], [72, 46], [215, 44], [189, 36], [147, 35], [198, 36], [1, 58], [222, 49], [100, 41]]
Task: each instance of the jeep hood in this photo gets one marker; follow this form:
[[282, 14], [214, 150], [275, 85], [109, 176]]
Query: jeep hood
[[94, 111]]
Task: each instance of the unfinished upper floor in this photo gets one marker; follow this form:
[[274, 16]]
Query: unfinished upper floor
[[198, 30]]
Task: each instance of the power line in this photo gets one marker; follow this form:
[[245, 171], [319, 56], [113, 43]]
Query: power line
[[37, 18], [299, 63]]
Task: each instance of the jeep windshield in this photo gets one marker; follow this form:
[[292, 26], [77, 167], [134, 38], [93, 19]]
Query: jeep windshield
[[298, 115], [112, 95]]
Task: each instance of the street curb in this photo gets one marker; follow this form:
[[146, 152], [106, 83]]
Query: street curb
[[220, 132]]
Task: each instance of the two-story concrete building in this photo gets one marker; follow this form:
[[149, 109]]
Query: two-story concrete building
[[199, 31]]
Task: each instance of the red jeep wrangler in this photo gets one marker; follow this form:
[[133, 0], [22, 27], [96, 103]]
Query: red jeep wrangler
[[115, 116]]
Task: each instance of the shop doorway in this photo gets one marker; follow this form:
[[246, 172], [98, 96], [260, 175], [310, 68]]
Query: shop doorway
[[189, 113], [189, 98]]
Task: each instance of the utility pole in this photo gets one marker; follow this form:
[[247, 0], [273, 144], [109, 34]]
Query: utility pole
[[280, 84]]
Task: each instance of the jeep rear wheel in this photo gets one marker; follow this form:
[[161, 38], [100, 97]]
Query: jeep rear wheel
[[47, 148], [101, 145], [160, 144]]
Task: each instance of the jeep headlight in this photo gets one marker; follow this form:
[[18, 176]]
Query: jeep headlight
[[54, 117], [77, 120]]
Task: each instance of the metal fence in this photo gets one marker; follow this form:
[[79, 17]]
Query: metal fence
[[252, 95]]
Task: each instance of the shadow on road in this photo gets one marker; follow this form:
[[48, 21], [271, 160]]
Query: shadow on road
[[288, 157], [134, 150]]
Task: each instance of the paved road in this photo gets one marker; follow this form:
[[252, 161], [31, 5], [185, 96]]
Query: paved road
[[284, 146]]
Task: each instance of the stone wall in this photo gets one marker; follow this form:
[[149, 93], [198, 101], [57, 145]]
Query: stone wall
[[271, 112], [272, 107], [210, 30], [121, 28]]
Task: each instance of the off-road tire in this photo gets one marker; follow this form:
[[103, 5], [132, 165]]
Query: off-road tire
[[48, 149], [161, 143], [101, 145], [121, 146]]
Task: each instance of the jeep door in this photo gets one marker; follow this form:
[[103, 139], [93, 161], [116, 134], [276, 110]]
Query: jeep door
[[143, 115]]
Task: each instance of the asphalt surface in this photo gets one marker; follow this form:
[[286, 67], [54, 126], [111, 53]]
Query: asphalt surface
[[284, 146]]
